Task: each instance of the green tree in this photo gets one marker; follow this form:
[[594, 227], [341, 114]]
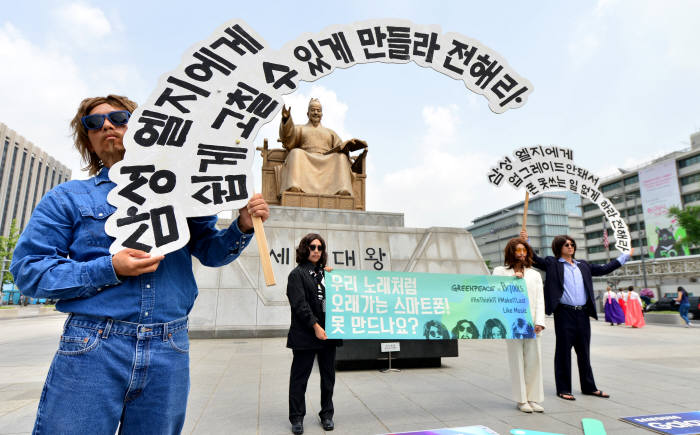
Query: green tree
[[688, 218], [7, 247]]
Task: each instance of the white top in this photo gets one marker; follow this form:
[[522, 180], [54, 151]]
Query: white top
[[535, 291]]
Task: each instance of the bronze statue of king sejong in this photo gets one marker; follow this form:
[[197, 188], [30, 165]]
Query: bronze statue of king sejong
[[318, 161]]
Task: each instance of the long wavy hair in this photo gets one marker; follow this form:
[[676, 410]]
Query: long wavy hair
[[80, 136], [509, 253], [303, 250], [559, 242]]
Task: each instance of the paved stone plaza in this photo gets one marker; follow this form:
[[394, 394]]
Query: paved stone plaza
[[239, 386]]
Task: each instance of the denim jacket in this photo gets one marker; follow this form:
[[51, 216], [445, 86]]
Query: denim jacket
[[63, 254]]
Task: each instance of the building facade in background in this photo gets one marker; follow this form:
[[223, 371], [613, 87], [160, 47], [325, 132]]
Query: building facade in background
[[549, 215], [678, 172], [26, 174]]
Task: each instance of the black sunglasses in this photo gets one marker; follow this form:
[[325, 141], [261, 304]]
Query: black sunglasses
[[97, 120], [315, 247], [573, 245]]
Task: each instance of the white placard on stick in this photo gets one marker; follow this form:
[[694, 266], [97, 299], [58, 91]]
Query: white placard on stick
[[550, 168]]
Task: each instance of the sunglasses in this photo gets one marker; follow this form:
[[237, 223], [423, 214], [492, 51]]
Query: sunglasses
[[573, 245], [315, 248], [97, 120]]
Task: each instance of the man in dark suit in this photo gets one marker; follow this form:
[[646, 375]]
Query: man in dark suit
[[568, 294]]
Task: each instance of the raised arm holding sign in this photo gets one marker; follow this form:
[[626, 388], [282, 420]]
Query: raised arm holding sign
[[525, 356], [128, 311], [568, 294]]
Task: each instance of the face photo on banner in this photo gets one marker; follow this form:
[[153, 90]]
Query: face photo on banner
[[190, 146]]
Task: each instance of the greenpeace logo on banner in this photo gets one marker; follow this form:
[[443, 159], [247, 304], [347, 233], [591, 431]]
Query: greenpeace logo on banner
[[551, 168], [190, 146]]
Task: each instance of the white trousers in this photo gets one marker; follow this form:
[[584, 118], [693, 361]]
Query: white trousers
[[525, 358]]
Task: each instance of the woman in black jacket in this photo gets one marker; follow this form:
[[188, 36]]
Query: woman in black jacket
[[307, 336]]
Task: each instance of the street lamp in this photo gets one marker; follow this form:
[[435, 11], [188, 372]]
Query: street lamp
[[640, 232], [498, 245]]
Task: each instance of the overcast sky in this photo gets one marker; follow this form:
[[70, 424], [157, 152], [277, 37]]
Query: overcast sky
[[616, 81]]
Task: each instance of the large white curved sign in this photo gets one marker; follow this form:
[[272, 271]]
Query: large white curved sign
[[550, 168], [190, 145]]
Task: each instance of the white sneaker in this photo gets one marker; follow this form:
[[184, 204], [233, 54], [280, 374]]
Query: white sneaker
[[525, 407], [536, 407]]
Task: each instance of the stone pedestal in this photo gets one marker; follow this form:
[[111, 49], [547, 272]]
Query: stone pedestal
[[293, 199], [234, 301]]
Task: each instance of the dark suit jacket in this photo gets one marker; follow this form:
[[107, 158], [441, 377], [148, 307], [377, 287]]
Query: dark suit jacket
[[306, 310], [554, 281]]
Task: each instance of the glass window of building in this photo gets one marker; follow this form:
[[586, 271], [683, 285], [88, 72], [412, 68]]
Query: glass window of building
[[689, 179], [611, 186], [691, 197], [631, 180], [593, 220], [689, 161], [9, 185]]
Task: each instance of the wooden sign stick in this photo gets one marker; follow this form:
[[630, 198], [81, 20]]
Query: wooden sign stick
[[260, 237], [527, 201], [263, 251]]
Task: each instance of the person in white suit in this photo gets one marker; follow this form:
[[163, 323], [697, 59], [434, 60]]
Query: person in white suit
[[525, 355]]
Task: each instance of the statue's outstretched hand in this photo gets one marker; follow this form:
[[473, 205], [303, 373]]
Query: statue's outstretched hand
[[286, 113], [355, 144]]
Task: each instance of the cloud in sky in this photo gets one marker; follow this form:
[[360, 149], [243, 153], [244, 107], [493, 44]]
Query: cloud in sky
[[669, 34], [85, 25], [43, 80], [39, 80], [613, 80], [444, 188]]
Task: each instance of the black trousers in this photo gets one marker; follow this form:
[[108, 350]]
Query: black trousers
[[302, 363], [572, 329]]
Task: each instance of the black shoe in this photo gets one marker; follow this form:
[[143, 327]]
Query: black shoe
[[327, 424], [298, 428]]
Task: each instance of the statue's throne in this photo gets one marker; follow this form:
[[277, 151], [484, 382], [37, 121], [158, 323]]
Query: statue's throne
[[275, 157]]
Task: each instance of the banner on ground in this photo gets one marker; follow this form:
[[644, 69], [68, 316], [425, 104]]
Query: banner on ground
[[363, 304], [680, 423]]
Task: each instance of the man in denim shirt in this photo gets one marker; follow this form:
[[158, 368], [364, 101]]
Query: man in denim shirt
[[123, 356]]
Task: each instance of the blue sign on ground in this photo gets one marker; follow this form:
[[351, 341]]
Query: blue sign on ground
[[467, 430], [679, 423]]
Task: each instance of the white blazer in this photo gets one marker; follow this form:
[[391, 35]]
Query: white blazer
[[535, 291]]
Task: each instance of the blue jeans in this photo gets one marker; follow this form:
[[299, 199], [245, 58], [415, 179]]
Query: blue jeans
[[108, 374], [683, 310]]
